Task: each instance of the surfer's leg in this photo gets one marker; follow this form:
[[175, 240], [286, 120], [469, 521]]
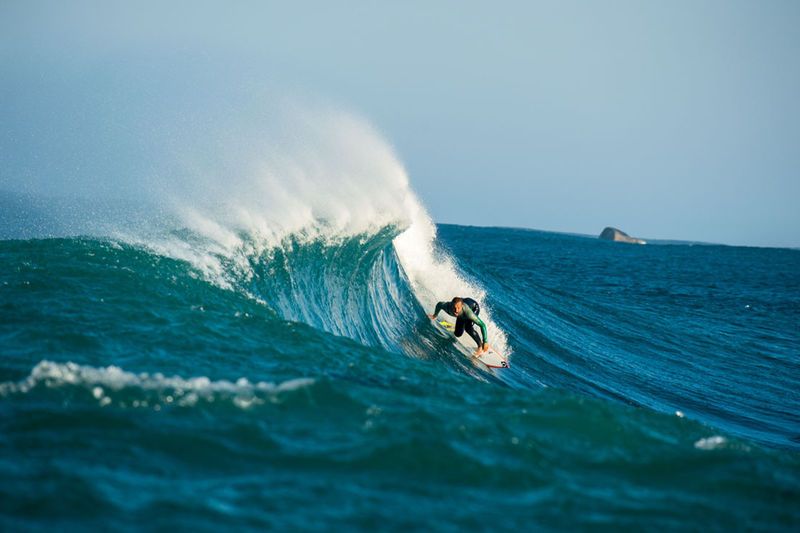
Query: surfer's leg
[[460, 322], [472, 333]]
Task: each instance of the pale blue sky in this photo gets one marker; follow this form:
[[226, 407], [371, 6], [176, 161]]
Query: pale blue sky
[[674, 120]]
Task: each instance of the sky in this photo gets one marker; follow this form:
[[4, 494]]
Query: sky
[[668, 120]]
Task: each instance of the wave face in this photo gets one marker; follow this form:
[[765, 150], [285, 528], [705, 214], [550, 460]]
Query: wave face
[[249, 348]]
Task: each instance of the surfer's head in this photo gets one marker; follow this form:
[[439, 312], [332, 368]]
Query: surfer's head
[[458, 304]]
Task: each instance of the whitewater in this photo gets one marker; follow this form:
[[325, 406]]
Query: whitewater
[[235, 335]]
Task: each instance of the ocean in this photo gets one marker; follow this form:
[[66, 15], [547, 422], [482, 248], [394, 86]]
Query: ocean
[[231, 364], [316, 395]]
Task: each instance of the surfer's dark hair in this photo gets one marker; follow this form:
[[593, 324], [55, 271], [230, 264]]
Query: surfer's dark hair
[[456, 300]]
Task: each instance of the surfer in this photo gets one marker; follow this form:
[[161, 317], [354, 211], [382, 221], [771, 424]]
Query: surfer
[[466, 317]]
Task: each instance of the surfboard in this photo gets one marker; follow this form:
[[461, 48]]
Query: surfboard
[[492, 359]]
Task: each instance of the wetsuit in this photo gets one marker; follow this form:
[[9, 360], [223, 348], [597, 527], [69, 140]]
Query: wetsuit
[[465, 321]]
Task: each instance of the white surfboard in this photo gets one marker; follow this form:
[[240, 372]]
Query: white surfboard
[[492, 359]]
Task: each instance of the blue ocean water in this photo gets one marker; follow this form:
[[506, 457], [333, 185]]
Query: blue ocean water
[[302, 386]]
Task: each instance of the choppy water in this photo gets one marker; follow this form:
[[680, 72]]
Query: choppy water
[[308, 390]]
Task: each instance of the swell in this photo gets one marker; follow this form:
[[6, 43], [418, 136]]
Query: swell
[[704, 331], [540, 454]]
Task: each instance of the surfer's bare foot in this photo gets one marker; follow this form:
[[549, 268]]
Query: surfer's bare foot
[[481, 350]]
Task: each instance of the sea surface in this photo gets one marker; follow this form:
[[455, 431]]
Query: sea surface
[[301, 386]]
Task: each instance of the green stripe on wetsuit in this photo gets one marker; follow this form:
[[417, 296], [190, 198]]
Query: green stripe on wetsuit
[[447, 307]]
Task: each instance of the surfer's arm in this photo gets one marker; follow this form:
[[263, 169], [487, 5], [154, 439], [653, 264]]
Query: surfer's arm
[[439, 307], [484, 332], [485, 347], [472, 316]]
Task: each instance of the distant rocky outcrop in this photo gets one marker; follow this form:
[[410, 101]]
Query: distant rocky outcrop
[[613, 234]]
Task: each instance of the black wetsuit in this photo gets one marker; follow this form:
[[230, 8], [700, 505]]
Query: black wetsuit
[[466, 320]]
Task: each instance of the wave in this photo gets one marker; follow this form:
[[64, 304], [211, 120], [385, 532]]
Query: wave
[[314, 217]]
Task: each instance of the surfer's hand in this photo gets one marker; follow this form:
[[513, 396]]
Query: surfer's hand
[[432, 317]]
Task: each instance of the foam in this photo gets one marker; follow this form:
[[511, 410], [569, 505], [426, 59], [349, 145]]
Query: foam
[[148, 390], [711, 443]]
